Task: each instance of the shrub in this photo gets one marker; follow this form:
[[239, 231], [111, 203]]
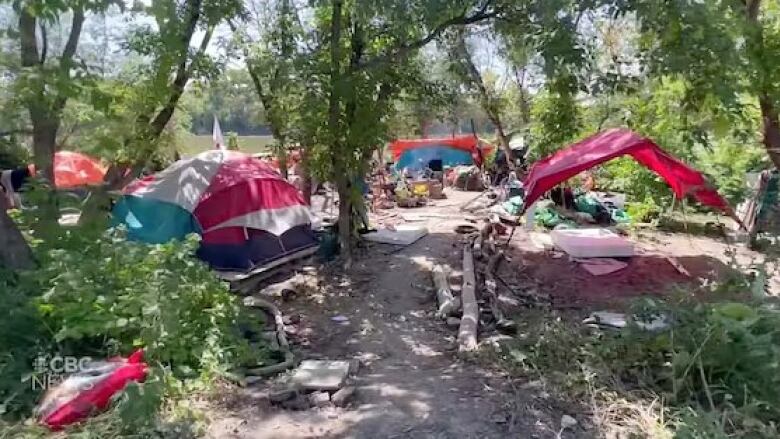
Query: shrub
[[716, 368], [100, 295], [126, 295]]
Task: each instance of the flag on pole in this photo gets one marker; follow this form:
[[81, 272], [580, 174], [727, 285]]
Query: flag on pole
[[216, 135]]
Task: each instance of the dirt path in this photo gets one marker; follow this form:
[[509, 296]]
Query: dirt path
[[411, 383]]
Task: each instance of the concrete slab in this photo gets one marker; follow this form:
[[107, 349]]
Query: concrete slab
[[321, 375]]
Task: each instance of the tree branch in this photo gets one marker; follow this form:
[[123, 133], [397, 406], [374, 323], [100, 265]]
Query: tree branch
[[406, 49], [73, 38], [265, 98], [44, 43], [27, 40], [183, 71]]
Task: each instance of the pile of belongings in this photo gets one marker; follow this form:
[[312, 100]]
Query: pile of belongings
[[466, 178], [601, 212], [550, 216], [584, 208], [408, 197]]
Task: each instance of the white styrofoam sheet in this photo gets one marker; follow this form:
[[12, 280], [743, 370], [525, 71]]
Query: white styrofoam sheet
[[592, 243], [403, 234]]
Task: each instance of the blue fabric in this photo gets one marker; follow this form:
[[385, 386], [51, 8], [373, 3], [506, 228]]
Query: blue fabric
[[153, 221], [418, 158]]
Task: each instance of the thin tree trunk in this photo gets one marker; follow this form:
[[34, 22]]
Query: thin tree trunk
[[334, 115], [15, 253], [769, 112], [503, 139], [475, 78], [771, 129], [345, 217]]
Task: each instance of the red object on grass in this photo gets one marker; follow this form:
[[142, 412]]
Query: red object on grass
[[73, 169], [566, 163], [90, 391]]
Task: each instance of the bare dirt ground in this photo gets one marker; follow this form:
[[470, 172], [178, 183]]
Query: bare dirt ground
[[412, 383]]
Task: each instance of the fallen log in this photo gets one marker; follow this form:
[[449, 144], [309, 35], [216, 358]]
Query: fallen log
[[448, 304], [467, 334]]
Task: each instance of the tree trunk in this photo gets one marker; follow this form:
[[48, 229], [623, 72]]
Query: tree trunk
[[503, 139], [14, 251], [345, 218], [771, 129], [341, 174], [45, 126], [473, 76], [769, 114]]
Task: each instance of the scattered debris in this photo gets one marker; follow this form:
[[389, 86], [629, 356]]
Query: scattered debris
[[499, 418], [412, 217], [321, 375], [298, 403], [453, 322], [466, 229], [601, 266], [342, 397], [343, 320], [319, 399], [448, 304], [678, 266], [568, 422], [282, 394], [614, 320], [607, 319]]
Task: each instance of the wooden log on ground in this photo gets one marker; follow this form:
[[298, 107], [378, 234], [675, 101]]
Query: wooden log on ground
[[467, 334], [448, 304]]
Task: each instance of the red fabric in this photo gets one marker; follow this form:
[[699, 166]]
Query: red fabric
[[468, 143], [564, 164], [73, 169], [244, 185], [138, 184], [100, 395]]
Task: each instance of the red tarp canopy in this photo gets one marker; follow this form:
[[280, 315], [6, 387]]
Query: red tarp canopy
[[564, 164]]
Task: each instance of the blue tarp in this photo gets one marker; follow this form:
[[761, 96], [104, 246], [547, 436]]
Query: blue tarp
[[418, 158]]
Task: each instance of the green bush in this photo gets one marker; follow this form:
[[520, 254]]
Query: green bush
[[126, 295], [101, 295]]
